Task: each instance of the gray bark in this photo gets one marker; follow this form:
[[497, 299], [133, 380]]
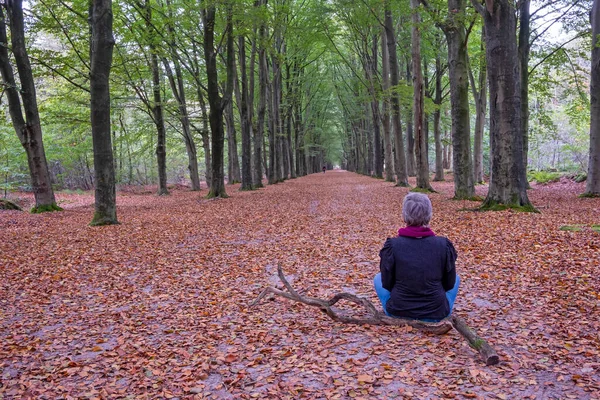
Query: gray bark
[[480, 95], [400, 160], [178, 87], [217, 104], [418, 101], [592, 187], [439, 166], [101, 18], [524, 50], [387, 139], [378, 160], [455, 31], [507, 186], [157, 107], [245, 117], [262, 105]]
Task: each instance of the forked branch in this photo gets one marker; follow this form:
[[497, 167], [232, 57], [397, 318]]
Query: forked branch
[[372, 316]]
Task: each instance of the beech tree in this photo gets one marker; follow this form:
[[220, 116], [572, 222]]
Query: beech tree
[[400, 160], [507, 183], [25, 118], [101, 52], [592, 187], [216, 101], [418, 101]]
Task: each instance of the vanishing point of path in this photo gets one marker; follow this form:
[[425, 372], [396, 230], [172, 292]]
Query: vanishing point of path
[[157, 307]]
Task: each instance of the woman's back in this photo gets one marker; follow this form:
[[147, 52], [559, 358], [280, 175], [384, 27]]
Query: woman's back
[[418, 272]]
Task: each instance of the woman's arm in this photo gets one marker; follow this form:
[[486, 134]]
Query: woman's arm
[[387, 265], [449, 277]]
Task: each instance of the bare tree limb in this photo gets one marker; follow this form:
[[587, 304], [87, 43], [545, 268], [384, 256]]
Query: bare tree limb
[[374, 317]]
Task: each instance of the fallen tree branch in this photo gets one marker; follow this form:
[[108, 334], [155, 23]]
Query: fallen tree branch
[[374, 317]]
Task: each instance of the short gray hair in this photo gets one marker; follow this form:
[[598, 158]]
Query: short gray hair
[[416, 209]]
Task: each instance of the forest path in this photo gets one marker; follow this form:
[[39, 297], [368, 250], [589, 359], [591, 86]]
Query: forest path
[[157, 306]]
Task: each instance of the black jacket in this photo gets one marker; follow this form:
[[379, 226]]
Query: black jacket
[[418, 272]]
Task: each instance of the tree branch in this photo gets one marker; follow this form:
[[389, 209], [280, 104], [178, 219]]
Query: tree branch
[[374, 317]]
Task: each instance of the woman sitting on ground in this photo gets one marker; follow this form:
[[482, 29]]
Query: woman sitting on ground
[[418, 277]]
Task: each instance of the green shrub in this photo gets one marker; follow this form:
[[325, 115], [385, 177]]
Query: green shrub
[[580, 177], [543, 177]]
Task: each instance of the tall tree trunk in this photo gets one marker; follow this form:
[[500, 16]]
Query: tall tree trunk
[[232, 154], [217, 104], [480, 95], [157, 106], [400, 164], [455, 31], [272, 125], [276, 115], [411, 161], [101, 60], [418, 97], [262, 106], [245, 117], [524, 50], [507, 185], [378, 160], [439, 166], [592, 187], [28, 128], [178, 87], [251, 123], [205, 137], [387, 139]]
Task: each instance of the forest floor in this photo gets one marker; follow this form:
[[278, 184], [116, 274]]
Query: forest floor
[[157, 307]]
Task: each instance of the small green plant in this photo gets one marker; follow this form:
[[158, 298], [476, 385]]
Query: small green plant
[[580, 177], [543, 177], [596, 228], [571, 228]]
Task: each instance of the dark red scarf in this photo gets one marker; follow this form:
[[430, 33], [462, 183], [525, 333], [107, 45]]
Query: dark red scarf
[[415, 231]]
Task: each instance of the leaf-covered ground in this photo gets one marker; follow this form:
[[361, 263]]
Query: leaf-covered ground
[[157, 307]]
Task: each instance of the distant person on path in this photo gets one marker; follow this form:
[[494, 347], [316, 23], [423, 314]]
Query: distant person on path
[[324, 168], [418, 277]]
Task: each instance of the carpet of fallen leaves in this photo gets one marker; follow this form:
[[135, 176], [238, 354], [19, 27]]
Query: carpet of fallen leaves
[[157, 307]]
